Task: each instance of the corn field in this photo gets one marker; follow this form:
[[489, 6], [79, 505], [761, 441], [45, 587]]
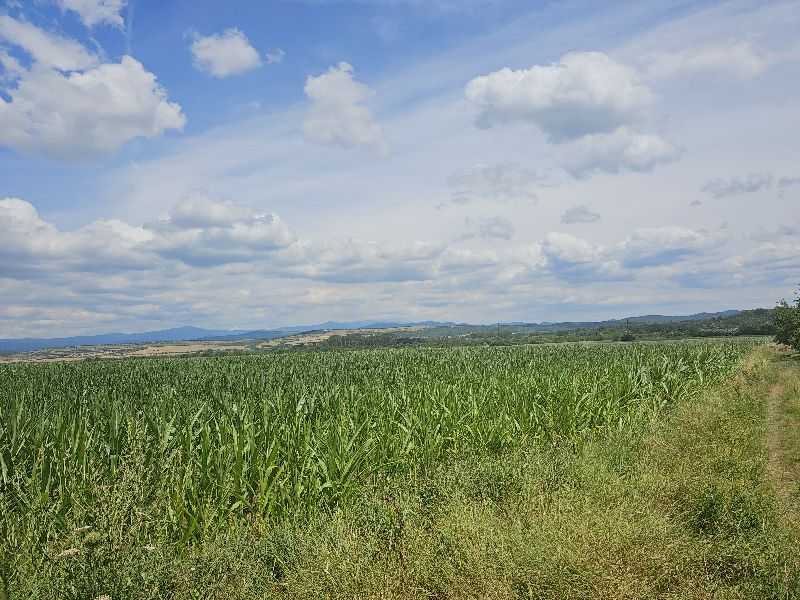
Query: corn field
[[190, 446]]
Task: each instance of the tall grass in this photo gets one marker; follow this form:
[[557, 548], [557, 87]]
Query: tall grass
[[197, 444]]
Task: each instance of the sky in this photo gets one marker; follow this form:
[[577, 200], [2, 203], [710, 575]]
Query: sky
[[250, 164]]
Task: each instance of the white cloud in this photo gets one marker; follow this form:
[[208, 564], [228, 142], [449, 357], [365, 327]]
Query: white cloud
[[663, 245], [588, 104], [467, 260], [584, 93], [622, 150], [645, 248], [225, 54], [770, 263], [579, 261], [85, 113], [338, 115], [201, 232], [10, 67], [579, 214], [734, 186], [738, 58], [32, 245], [96, 12], [24, 233], [568, 249], [200, 212], [46, 48]]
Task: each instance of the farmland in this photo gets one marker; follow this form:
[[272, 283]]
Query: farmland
[[139, 478]]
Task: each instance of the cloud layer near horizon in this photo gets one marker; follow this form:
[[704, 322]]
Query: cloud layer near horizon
[[221, 245]]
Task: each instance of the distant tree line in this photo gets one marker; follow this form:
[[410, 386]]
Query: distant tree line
[[787, 322]]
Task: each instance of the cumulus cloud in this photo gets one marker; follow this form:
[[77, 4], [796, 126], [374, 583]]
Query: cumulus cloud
[[588, 104], [737, 58], [455, 260], [774, 262], [80, 114], [566, 249], [577, 260], [96, 12], [579, 214], [574, 258], [734, 186], [32, 245], [198, 233], [338, 115], [24, 233], [648, 247], [622, 150], [201, 211], [225, 54], [505, 182], [584, 93], [201, 232], [46, 48]]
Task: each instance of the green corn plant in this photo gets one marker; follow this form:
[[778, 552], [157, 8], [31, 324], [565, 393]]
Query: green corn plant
[[186, 447]]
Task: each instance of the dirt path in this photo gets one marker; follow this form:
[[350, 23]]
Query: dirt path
[[783, 438]]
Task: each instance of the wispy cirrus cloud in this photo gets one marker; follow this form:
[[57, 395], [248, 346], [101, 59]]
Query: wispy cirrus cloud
[[45, 48], [740, 58]]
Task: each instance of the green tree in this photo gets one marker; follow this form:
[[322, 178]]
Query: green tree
[[787, 323]]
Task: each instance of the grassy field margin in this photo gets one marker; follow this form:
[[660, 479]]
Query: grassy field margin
[[687, 508]]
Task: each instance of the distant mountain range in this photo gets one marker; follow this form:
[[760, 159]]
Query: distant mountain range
[[183, 334], [177, 334]]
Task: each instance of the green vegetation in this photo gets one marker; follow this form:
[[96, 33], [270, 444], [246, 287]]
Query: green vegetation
[[628, 470], [787, 323]]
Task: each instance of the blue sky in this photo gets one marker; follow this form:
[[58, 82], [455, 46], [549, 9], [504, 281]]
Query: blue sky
[[251, 164]]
